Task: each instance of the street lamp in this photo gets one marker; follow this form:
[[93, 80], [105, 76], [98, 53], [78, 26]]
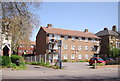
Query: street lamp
[[59, 55]]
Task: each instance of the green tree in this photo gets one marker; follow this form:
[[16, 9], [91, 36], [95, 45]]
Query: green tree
[[114, 52]]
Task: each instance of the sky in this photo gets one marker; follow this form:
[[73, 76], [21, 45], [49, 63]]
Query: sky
[[94, 16]]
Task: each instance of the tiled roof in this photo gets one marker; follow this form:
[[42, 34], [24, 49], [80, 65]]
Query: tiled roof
[[69, 32], [107, 32]]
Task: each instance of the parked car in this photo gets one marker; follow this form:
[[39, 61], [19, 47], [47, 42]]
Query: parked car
[[110, 61], [98, 60]]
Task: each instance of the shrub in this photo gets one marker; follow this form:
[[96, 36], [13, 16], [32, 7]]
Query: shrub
[[99, 64], [47, 64], [6, 61], [65, 60], [12, 65], [82, 61], [18, 60], [34, 63]]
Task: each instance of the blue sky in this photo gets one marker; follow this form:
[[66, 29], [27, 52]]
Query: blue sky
[[78, 15]]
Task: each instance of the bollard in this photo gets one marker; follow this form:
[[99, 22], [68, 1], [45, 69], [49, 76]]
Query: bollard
[[95, 64]]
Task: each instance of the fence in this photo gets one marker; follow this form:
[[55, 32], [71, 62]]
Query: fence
[[33, 58]]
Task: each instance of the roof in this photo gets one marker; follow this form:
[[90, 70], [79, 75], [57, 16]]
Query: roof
[[107, 32], [69, 32]]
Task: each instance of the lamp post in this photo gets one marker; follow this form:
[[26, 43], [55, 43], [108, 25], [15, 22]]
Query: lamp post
[[59, 55]]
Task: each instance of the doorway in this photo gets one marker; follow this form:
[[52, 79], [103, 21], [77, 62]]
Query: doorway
[[6, 51]]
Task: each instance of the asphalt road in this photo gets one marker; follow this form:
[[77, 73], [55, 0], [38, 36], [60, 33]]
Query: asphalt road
[[70, 71]]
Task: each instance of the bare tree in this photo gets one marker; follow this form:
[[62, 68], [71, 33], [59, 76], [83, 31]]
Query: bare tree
[[20, 20]]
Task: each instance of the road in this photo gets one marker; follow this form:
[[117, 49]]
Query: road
[[70, 71]]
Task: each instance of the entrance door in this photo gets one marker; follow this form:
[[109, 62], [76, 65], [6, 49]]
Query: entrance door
[[6, 51]]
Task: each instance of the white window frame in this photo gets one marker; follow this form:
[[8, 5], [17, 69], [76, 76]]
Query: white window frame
[[50, 46], [32, 46], [80, 56], [86, 39], [50, 36], [21, 51], [73, 56], [66, 37], [73, 38], [92, 40], [80, 38], [79, 47], [73, 47], [65, 56], [57, 37], [56, 46], [86, 56], [65, 46], [55, 56], [86, 48]]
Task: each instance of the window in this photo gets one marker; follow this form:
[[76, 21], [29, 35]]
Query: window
[[66, 37], [50, 46], [79, 47], [50, 36], [86, 56], [21, 45], [65, 46], [57, 37], [55, 56], [55, 46], [86, 39], [73, 38], [73, 47], [92, 48], [31, 51], [80, 38], [86, 48], [21, 50], [65, 56], [79, 56], [92, 40], [73, 56], [26, 50], [32, 46]]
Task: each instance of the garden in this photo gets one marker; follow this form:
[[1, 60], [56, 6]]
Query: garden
[[15, 62]]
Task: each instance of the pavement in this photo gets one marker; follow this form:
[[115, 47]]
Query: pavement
[[70, 71]]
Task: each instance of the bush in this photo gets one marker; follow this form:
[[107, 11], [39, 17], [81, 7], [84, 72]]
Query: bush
[[6, 61], [12, 65], [82, 61], [34, 63], [99, 64], [65, 60], [18, 60]]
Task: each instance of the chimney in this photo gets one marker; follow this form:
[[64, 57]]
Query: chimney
[[114, 28], [86, 30], [49, 25], [105, 28]]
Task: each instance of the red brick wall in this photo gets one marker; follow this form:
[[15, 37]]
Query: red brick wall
[[41, 42]]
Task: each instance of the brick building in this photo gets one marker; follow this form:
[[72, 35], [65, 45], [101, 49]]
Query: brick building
[[27, 49], [108, 38], [76, 45]]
